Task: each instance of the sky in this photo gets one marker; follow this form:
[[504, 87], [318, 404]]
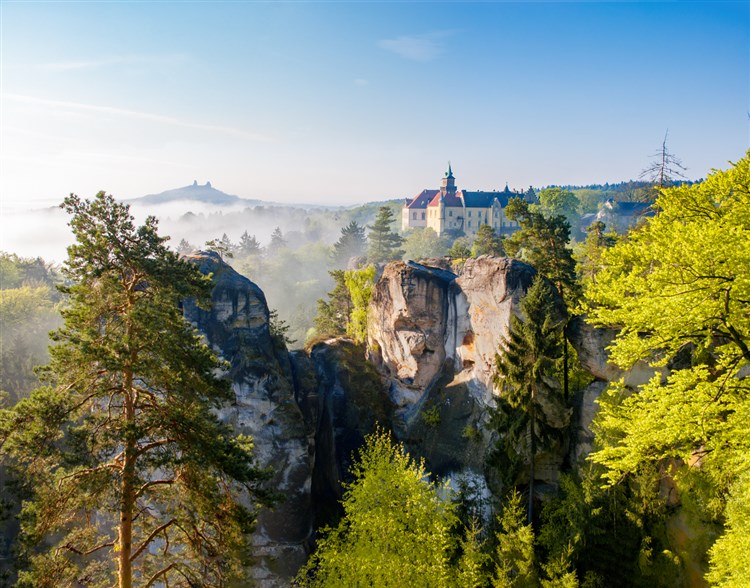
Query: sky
[[349, 102]]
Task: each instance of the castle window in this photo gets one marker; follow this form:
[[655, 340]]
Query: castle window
[[450, 213], [469, 215], [423, 216], [469, 221], [414, 215]]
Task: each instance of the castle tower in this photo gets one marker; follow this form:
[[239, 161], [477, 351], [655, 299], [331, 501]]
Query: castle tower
[[448, 184]]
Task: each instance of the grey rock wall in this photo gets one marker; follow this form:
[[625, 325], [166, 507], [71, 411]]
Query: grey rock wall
[[237, 327]]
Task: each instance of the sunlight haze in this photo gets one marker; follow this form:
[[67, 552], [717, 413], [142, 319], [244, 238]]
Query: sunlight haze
[[343, 103]]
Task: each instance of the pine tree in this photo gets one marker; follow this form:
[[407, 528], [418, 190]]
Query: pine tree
[[249, 245], [134, 480], [516, 563], [487, 242], [352, 243], [384, 243], [543, 243], [185, 248], [524, 366], [277, 240], [332, 318]]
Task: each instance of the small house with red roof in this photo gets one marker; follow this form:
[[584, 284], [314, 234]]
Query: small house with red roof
[[459, 211]]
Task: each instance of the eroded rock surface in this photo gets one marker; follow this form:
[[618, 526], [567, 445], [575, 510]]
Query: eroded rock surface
[[435, 334], [237, 327]]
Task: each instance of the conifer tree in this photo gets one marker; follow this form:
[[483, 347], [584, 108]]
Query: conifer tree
[[352, 243], [383, 242], [134, 480], [524, 366], [277, 240], [249, 245], [516, 563], [332, 318], [487, 242], [543, 243]]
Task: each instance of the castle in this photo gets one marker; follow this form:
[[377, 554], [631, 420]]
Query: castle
[[460, 211]]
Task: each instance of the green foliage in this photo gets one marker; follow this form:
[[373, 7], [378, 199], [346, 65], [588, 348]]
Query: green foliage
[[395, 529], [332, 318], [730, 555], [487, 242], [515, 559], [384, 243], [27, 315], [352, 243], [543, 243], [525, 368], [360, 284], [424, 243], [588, 254], [277, 240], [431, 416], [682, 284], [279, 330], [16, 272], [461, 248], [249, 246], [559, 202], [131, 475], [221, 246], [473, 562]]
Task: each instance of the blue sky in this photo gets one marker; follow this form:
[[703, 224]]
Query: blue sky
[[336, 102]]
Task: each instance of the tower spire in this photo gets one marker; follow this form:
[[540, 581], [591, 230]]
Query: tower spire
[[449, 173]]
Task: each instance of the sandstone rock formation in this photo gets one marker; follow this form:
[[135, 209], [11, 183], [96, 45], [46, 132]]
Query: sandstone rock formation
[[434, 334], [237, 327], [432, 338]]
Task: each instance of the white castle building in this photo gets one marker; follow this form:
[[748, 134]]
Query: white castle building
[[460, 211]]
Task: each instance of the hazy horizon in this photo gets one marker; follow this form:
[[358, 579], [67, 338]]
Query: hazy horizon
[[345, 103]]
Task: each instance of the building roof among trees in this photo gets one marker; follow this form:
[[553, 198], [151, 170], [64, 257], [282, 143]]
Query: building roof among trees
[[422, 199]]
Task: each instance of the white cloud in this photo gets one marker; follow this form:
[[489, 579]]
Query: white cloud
[[415, 47], [134, 114], [114, 60]]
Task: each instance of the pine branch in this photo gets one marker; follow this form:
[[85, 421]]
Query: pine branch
[[150, 538]]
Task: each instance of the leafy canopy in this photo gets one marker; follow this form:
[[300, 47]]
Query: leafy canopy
[[133, 480], [680, 287], [395, 530]]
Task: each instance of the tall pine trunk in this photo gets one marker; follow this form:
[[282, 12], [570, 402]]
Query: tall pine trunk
[[127, 485], [127, 490], [532, 457]]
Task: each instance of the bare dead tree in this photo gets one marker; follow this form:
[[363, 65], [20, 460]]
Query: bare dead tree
[[665, 167]]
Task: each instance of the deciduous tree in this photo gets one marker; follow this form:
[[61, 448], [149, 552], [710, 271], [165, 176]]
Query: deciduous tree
[[681, 284], [395, 530]]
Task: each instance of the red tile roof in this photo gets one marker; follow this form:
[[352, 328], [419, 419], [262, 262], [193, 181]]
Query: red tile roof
[[449, 200], [422, 199]]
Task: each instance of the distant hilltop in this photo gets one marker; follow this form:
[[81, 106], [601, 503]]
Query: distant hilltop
[[206, 194]]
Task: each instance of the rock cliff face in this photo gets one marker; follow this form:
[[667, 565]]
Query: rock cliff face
[[427, 375], [237, 327], [434, 335]]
